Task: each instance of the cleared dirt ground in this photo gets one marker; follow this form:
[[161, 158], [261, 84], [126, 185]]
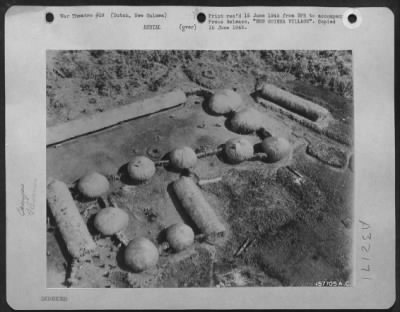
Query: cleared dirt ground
[[300, 227]]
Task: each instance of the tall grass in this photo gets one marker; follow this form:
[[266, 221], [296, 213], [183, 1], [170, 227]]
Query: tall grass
[[328, 69]]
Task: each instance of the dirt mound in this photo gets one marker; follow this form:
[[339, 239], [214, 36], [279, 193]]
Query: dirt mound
[[329, 154]]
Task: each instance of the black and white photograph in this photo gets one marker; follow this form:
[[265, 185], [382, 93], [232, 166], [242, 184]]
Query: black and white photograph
[[199, 168], [200, 157]]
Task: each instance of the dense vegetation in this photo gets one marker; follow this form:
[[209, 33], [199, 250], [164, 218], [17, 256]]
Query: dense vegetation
[[83, 82]]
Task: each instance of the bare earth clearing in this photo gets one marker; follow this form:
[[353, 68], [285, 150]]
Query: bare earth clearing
[[299, 223]]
